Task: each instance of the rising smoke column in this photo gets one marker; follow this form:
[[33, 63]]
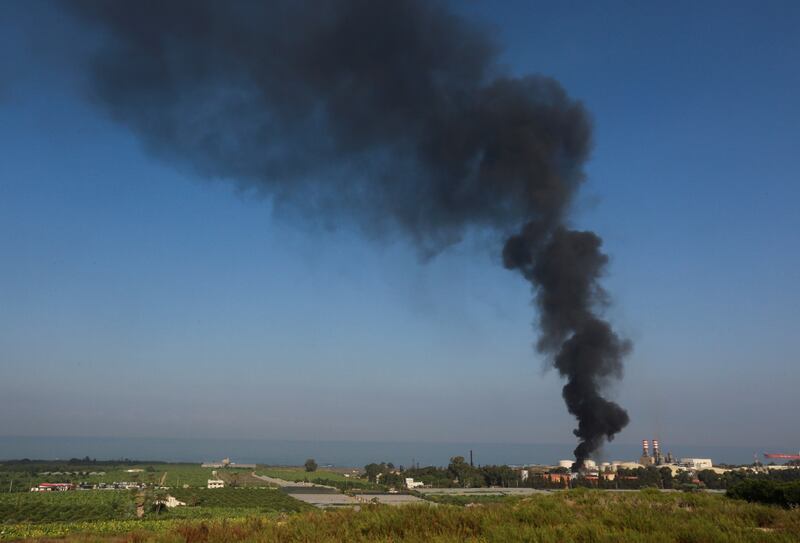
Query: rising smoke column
[[564, 266], [394, 116]]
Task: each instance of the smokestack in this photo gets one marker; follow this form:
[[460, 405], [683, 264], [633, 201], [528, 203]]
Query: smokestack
[[390, 116], [470, 459], [645, 448], [655, 447]]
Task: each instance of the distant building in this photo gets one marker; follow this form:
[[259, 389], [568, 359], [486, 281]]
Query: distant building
[[53, 487], [226, 463], [171, 501], [587, 464], [697, 463], [562, 478], [411, 483], [216, 483], [617, 464]]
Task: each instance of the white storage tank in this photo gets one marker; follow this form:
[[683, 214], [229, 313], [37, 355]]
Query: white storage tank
[[566, 463]]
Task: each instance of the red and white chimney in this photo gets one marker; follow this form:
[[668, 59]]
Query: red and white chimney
[[645, 448], [656, 450]]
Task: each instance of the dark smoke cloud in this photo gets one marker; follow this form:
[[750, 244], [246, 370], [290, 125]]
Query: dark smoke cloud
[[394, 115]]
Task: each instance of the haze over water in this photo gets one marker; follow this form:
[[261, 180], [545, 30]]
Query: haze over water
[[337, 453]]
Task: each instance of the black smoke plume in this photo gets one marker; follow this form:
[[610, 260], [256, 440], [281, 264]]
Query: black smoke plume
[[394, 115]]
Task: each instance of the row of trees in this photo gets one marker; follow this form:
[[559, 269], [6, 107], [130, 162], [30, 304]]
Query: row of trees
[[783, 493], [458, 473], [655, 477]]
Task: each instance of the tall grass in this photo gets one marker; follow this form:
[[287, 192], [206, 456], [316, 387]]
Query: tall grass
[[580, 516]]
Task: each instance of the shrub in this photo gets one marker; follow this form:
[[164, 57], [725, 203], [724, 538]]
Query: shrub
[[767, 491]]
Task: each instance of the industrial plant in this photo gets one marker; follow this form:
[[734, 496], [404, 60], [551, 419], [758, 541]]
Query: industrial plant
[[651, 457]]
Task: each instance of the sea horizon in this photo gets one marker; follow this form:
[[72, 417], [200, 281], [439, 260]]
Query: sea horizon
[[337, 453]]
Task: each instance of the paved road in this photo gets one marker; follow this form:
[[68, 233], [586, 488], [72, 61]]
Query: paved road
[[316, 495], [486, 491], [282, 483]]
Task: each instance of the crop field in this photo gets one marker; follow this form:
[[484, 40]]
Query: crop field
[[58, 513], [580, 516], [240, 478], [176, 474], [258, 499], [66, 506], [22, 476]]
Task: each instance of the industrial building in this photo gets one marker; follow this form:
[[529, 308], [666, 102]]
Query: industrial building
[[697, 463], [656, 459], [226, 463]]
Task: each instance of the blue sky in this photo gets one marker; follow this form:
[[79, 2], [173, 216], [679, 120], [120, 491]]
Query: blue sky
[[138, 300]]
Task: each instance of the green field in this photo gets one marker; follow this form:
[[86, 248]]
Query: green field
[[58, 513], [580, 516], [257, 499], [67, 506], [20, 476]]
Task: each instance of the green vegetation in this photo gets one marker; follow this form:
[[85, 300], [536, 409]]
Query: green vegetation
[[471, 499], [258, 499], [39, 514], [458, 474], [785, 494], [578, 515], [60, 529], [67, 506], [21, 475], [311, 465]]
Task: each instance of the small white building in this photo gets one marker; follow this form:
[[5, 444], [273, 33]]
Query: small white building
[[697, 463], [411, 483], [171, 501], [216, 483]]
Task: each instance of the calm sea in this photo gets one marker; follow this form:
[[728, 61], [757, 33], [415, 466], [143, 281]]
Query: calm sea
[[336, 453]]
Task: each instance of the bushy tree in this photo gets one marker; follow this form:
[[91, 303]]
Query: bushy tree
[[311, 465], [666, 477], [710, 479], [766, 491], [373, 470]]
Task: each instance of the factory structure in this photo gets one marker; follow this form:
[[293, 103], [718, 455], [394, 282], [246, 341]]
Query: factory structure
[[656, 459], [650, 457], [659, 459]]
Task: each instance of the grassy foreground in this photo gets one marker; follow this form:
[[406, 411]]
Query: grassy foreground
[[590, 516]]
